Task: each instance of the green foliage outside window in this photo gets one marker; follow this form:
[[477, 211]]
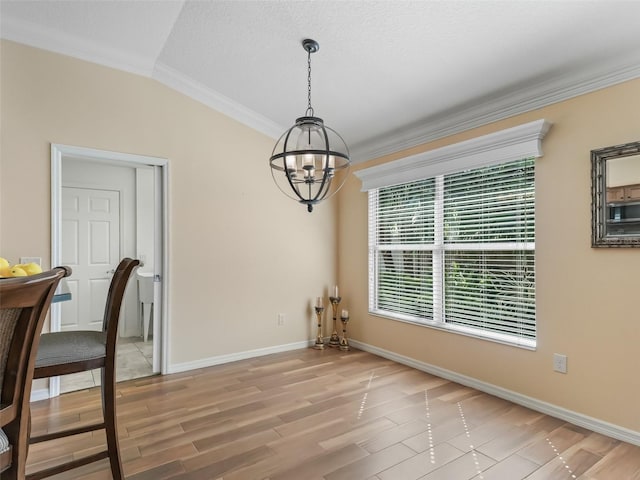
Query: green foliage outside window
[[490, 286]]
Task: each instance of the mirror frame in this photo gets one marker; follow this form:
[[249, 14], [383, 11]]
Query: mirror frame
[[599, 157]]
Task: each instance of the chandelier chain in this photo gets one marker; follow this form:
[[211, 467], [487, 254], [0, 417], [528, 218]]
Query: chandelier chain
[[309, 107]]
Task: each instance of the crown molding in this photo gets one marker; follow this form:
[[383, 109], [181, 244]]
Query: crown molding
[[46, 38], [189, 87], [499, 107], [493, 108]]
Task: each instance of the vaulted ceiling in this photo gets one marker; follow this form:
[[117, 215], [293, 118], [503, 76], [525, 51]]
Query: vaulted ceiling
[[388, 75]]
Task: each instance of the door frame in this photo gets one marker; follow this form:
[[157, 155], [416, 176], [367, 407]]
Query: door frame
[[58, 151]]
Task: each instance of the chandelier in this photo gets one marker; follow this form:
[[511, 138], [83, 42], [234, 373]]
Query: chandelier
[[306, 158]]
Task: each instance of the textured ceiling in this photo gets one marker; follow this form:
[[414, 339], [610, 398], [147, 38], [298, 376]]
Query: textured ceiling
[[388, 75]]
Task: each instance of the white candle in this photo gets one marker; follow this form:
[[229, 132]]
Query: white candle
[[318, 302], [345, 314], [335, 291], [308, 159], [290, 161], [329, 163]]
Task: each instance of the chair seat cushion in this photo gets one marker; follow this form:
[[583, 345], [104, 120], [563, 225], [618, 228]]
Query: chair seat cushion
[[4, 442], [68, 347]]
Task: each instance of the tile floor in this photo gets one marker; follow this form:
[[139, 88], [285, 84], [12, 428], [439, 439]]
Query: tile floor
[[134, 361]]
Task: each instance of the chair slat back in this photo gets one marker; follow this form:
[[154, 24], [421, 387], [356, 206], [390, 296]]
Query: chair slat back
[[8, 321], [115, 296], [24, 303]]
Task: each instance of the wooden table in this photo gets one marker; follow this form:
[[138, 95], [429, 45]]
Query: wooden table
[[62, 293]]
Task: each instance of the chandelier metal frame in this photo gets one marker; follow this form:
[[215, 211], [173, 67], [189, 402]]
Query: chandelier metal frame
[[306, 158]]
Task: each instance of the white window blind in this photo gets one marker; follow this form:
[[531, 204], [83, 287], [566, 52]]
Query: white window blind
[[457, 251]]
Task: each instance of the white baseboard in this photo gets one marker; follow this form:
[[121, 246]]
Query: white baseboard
[[233, 357], [43, 393], [39, 394], [594, 424], [599, 426]]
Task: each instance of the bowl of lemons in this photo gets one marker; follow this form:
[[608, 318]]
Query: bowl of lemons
[[18, 270]]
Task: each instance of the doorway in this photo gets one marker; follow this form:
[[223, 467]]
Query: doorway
[[106, 206]]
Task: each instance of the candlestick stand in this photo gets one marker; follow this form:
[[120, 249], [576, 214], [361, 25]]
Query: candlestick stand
[[319, 345], [344, 343], [334, 341]]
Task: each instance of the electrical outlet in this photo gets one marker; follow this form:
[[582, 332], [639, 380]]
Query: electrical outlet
[[37, 260], [281, 318], [559, 363]]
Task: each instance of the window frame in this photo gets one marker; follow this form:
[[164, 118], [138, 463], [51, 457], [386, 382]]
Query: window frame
[[438, 265], [516, 143]]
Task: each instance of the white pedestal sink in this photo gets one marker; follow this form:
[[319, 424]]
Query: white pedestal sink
[[145, 295]]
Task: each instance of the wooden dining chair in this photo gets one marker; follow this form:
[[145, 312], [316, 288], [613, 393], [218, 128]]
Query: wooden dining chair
[[62, 353], [24, 302]]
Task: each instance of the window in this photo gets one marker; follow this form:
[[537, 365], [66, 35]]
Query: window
[[456, 250]]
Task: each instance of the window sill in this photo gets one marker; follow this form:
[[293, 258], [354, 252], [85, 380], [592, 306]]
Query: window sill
[[460, 330]]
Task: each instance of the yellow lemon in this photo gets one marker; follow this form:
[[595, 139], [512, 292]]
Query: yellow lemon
[[18, 272], [5, 272], [4, 263], [32, 268]]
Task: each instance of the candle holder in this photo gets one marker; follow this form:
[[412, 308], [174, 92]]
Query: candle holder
[[334, 341], [344, 343], [319, 345]]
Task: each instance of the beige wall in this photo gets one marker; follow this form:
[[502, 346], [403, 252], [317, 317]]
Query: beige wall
[[240, 251], [587, 299]]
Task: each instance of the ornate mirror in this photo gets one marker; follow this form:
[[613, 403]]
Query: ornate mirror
[[615, 192]]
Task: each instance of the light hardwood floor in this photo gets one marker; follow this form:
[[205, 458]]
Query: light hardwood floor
[[330, 415]]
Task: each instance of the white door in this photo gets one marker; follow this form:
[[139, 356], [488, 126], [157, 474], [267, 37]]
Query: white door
[[91, 247]]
